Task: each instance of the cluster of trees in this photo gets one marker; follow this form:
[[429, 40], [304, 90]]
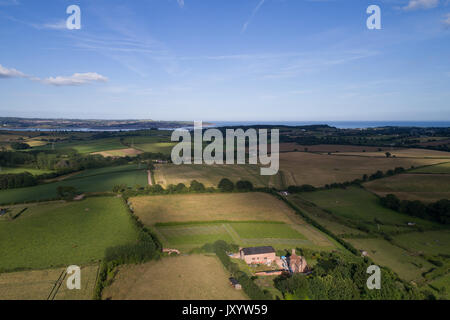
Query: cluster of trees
[[437, 211], [19, 180], [20, 146], [253, 291], [226, 185], [336, 278], [342, 185]]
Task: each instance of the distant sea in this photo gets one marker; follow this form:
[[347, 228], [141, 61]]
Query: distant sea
[[337, 124]]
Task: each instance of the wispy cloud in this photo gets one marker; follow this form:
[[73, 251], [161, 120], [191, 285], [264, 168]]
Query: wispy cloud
[[446, 20], [421, 4], [254, 12], [10, 73], [76, 79]]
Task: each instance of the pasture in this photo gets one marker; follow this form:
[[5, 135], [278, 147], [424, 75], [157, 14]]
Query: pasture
[[360, 206], [406, 265], [429, 242], [49, 284], [424, 187], [59, 233], [93, 180], [244, 218], [325, 148], [194, 277]]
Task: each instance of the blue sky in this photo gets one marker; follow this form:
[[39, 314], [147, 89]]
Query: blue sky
[[229, 60]]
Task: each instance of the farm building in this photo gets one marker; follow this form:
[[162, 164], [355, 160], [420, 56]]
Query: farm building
[[258, 255], [235, 284], [297, 264]]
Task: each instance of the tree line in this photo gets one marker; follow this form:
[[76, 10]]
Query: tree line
[[438, 211]]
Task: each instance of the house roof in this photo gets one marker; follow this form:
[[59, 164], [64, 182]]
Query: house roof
[[258, 250]]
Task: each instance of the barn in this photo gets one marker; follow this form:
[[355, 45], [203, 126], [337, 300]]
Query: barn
[[258, 255]]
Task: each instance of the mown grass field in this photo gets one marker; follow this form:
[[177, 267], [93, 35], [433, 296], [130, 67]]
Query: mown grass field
[[57, 234], [186, 236], [424, 187], [194, 277], [93, 180], [244, 218], [298, 168], [210, 176], [42, 284]]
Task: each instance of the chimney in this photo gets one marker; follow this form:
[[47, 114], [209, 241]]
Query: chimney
[[293, 252]]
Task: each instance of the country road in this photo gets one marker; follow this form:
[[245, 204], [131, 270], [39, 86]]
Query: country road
[[149, 176]]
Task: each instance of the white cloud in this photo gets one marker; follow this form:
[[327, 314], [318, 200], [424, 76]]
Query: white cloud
[[181, 3], [75, 80], [446, 21], [255, 11], [421, 4], [59, 25], [10, 73]]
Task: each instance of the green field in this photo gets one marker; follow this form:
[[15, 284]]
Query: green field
[[94, 180], [153, 144], [429, 242], [443, 168], [360, 206], [265, 230], [443, 284], [424, 187], [86, 146], [406, 265], [190, 235], [61, 234], [34, 171]]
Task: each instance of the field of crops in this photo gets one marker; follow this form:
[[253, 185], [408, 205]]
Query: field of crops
[[56, 234], [93, 180], [152, 143], [194, 277], [424, 187]]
